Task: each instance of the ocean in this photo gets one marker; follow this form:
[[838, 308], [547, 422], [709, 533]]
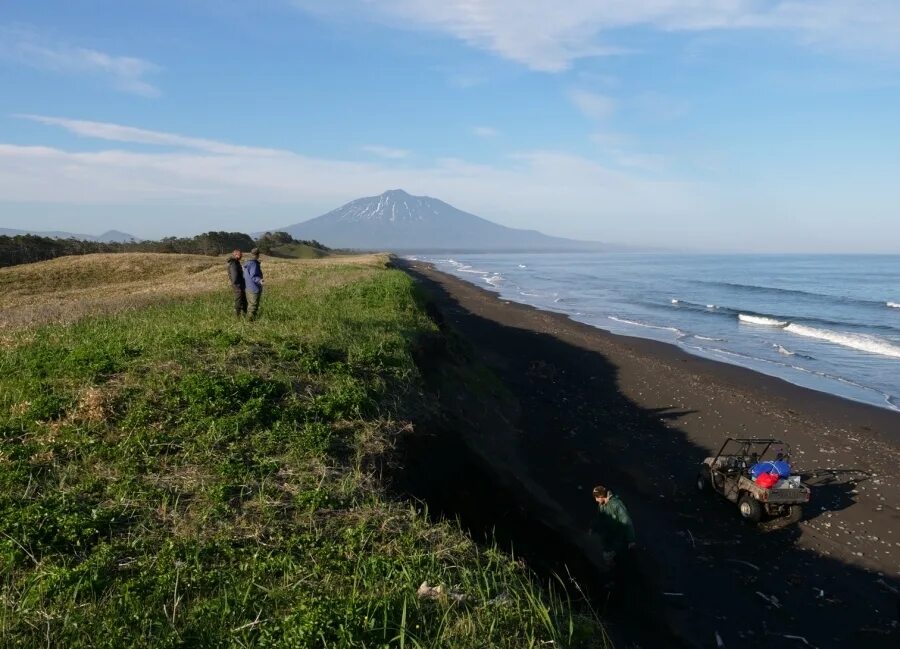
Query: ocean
[[826, 322]]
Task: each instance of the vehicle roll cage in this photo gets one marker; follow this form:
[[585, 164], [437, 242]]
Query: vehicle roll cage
[[748, 442]]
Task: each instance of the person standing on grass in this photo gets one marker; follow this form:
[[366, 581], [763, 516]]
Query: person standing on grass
[[253, 278], [238, 286]]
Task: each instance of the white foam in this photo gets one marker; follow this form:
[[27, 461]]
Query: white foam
[[643, 324], [784, 350], [494, 280], [715, 340], [710, 306], [760, 320], [893, 305], [674, 301], [871, 344], [522, 266]]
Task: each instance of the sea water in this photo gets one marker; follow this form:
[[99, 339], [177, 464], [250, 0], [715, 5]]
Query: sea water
[[827, 322]]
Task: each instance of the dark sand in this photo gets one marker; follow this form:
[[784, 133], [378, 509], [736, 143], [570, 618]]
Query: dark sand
[[639, 416]]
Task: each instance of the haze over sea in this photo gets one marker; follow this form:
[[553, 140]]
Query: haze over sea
[[827, 322]]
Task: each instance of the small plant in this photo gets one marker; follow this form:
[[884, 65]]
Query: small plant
[[170, 480]]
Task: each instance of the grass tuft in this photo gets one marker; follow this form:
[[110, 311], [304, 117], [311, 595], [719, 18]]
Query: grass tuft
[[172, 477]]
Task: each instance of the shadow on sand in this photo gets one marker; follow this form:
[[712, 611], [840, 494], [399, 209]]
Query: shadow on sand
[[704, 572]]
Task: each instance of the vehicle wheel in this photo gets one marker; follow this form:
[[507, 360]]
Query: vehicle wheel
[[750, 509], [795, 514], [702, 480]]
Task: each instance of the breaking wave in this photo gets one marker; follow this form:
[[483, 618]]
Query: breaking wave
[[761, 320], [643, 324], [861, 342], [893, 305]]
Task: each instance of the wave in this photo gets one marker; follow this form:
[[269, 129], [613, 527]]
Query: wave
[[762, 320], [644, 324], [784, 351], [754, 317], [759, 288], [861, 342], [522, 266], [893, 305], [494, 280]]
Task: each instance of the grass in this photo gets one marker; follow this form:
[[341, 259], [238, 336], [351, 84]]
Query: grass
[[66, 289], [171, 477], [299, 251]]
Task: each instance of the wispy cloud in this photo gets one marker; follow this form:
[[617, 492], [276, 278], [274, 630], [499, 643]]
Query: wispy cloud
[[126, 73], [120, 133], [551, 34], [485, 131], [620, 151], [592, 104], [386, 152], [523, 188]]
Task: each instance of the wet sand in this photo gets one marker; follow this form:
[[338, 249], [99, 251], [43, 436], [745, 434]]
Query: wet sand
[[639, 416]]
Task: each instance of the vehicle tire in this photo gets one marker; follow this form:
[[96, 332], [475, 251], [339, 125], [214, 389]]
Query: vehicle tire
[[703, 480], [750, 508], [795, 514]]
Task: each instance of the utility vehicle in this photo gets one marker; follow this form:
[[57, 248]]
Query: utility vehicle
[[727, 473]]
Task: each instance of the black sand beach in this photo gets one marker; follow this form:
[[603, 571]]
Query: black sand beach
[[639, 416]]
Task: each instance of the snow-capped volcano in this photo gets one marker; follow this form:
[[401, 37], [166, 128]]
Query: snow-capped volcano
[[396, 220], [392, 206]]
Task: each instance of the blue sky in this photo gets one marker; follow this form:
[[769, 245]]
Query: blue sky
[[766, 125]]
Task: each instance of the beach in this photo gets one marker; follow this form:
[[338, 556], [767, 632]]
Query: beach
[[639, 416]]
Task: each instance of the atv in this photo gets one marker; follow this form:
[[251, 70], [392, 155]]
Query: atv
[[728, 474]]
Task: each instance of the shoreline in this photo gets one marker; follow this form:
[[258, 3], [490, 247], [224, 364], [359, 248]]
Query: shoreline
[[877, 398], [882, 420], [639, 414]]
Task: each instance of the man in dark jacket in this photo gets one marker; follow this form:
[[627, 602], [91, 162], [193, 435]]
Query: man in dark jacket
[[253, 278], [238, 286], [612, 523]]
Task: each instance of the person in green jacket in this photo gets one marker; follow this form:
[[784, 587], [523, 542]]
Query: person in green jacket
[[612, 523]]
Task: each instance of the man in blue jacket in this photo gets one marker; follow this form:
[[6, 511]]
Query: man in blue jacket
[[253, 278]]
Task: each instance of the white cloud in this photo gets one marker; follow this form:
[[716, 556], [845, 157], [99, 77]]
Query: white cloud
[[126, 73], [620, 150], [593, 105], [524, 191], [485, 131], [119, 133], [387, 152], [549, 35]]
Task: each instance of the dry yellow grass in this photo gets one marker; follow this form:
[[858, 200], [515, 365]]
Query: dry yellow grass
[[69, 288]]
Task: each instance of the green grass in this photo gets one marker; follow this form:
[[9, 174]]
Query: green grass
[[298, 251], [170, 477]]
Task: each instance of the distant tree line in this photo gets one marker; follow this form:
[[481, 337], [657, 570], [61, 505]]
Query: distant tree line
[[27, 248], [270, 240]]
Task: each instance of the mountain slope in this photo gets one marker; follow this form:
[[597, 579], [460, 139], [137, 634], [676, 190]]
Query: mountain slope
[[396, 220], [112, 236]]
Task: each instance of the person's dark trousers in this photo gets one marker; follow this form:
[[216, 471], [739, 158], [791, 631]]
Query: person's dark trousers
[[240, 301], [627, 581], [253, 300]]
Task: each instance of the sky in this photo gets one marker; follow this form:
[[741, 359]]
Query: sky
[[756, 125]]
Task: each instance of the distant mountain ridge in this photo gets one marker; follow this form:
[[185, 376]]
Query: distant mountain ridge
[[111, 236], [396, 220]]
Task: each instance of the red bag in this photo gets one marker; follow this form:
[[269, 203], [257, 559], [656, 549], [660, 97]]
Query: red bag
[[766, 480]]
